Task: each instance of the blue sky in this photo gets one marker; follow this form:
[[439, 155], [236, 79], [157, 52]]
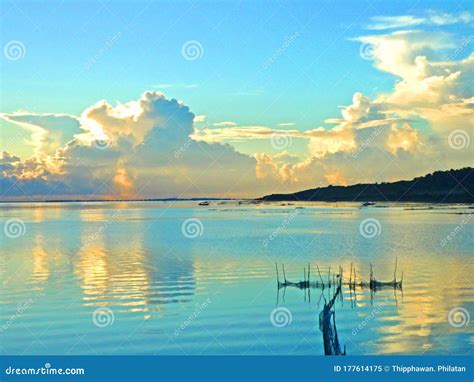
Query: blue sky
[[281, 65], [317, 72]]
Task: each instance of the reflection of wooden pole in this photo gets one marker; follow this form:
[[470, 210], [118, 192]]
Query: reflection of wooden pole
[[372, 279], [284, 274], [350, 277], [395, 272], [322, 282]]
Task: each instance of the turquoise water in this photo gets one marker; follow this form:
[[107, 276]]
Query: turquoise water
[[131, 278]]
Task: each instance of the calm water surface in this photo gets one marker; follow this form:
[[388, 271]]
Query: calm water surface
[[156, 291]]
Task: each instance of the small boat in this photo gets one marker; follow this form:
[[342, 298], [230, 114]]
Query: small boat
[[204, 203], [365, 204]]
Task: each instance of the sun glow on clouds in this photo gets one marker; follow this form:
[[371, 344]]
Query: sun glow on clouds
[[151, 147]]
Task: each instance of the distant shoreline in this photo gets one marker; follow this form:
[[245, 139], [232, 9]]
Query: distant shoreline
[[452, 186]]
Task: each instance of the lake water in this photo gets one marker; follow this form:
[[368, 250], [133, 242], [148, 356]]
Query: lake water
[[141, 278]]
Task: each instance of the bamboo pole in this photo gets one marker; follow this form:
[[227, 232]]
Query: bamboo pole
[[395, 272], [350, 277], [322, 282]]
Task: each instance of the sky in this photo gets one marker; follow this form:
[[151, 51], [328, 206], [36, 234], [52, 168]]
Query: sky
[[151, 99]]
